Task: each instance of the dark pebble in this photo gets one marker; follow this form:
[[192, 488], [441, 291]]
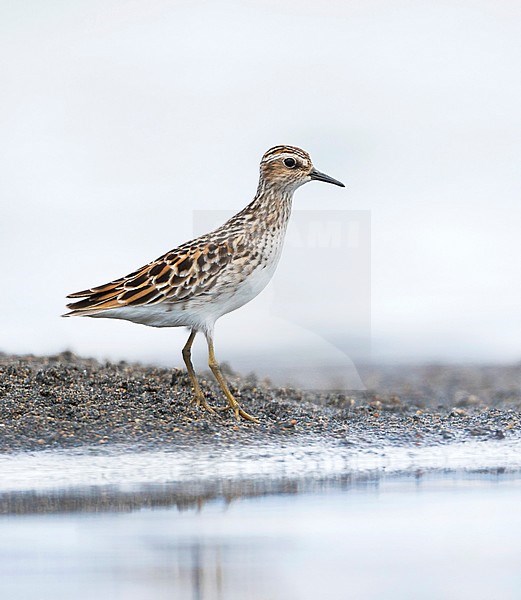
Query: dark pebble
[[65, 401]]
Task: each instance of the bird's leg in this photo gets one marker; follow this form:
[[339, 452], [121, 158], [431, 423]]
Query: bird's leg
[[199, 398], [232, 402]]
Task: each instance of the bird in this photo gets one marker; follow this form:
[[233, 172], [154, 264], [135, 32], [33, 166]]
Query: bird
[[201, 280]]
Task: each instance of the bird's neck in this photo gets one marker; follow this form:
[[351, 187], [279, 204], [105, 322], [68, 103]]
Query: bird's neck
[[268, 212], [272, 205]]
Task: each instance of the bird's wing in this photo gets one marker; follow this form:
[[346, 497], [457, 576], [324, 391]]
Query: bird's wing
[[182, 273]]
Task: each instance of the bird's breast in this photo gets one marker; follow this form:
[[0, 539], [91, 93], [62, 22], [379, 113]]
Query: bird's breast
[[248, 274]]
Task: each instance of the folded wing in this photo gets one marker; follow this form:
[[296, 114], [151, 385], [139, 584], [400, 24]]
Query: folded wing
[[174, 277]]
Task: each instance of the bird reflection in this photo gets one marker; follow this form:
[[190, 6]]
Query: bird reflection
[[206, 572]]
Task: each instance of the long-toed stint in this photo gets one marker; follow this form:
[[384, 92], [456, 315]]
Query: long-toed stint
[[208, 277]]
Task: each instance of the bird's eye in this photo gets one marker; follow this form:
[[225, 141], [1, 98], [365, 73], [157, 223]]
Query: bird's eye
[[290, 163]]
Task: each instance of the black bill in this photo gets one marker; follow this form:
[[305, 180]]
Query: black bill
[[318, 176]]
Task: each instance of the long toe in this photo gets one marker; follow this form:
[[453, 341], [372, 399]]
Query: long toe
[[238, 412], [247, 417], [207, 407]]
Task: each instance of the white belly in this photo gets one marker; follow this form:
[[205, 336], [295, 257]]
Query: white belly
[[251, 287]]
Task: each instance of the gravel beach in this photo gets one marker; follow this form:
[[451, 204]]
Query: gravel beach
[[65, 401]]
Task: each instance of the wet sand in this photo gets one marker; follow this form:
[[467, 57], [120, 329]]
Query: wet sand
[[64, 401]]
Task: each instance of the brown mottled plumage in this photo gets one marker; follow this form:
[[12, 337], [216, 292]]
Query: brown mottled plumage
[[201, 280]]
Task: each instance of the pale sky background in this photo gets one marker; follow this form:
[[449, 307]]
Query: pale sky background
[[119, 119]]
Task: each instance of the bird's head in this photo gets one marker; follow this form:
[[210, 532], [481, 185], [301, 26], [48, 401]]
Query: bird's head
[[288, 167]]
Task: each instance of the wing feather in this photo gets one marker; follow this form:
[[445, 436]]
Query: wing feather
[[175, 276]]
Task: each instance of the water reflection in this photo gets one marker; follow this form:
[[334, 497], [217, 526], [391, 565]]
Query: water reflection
[[182, 496], [286, 523], [206, 571], [195, 496], [385, 537]]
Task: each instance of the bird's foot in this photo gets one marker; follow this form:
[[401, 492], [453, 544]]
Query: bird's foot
[[200, 400], [246, 416], [238, 411]]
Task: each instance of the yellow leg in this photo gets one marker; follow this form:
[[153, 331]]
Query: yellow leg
[[232, 402], [199, 398]]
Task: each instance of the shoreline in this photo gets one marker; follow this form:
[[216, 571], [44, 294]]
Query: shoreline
[[65, 401]]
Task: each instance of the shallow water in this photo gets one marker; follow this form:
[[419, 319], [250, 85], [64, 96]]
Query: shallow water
[[117, 465], [267, 523]]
